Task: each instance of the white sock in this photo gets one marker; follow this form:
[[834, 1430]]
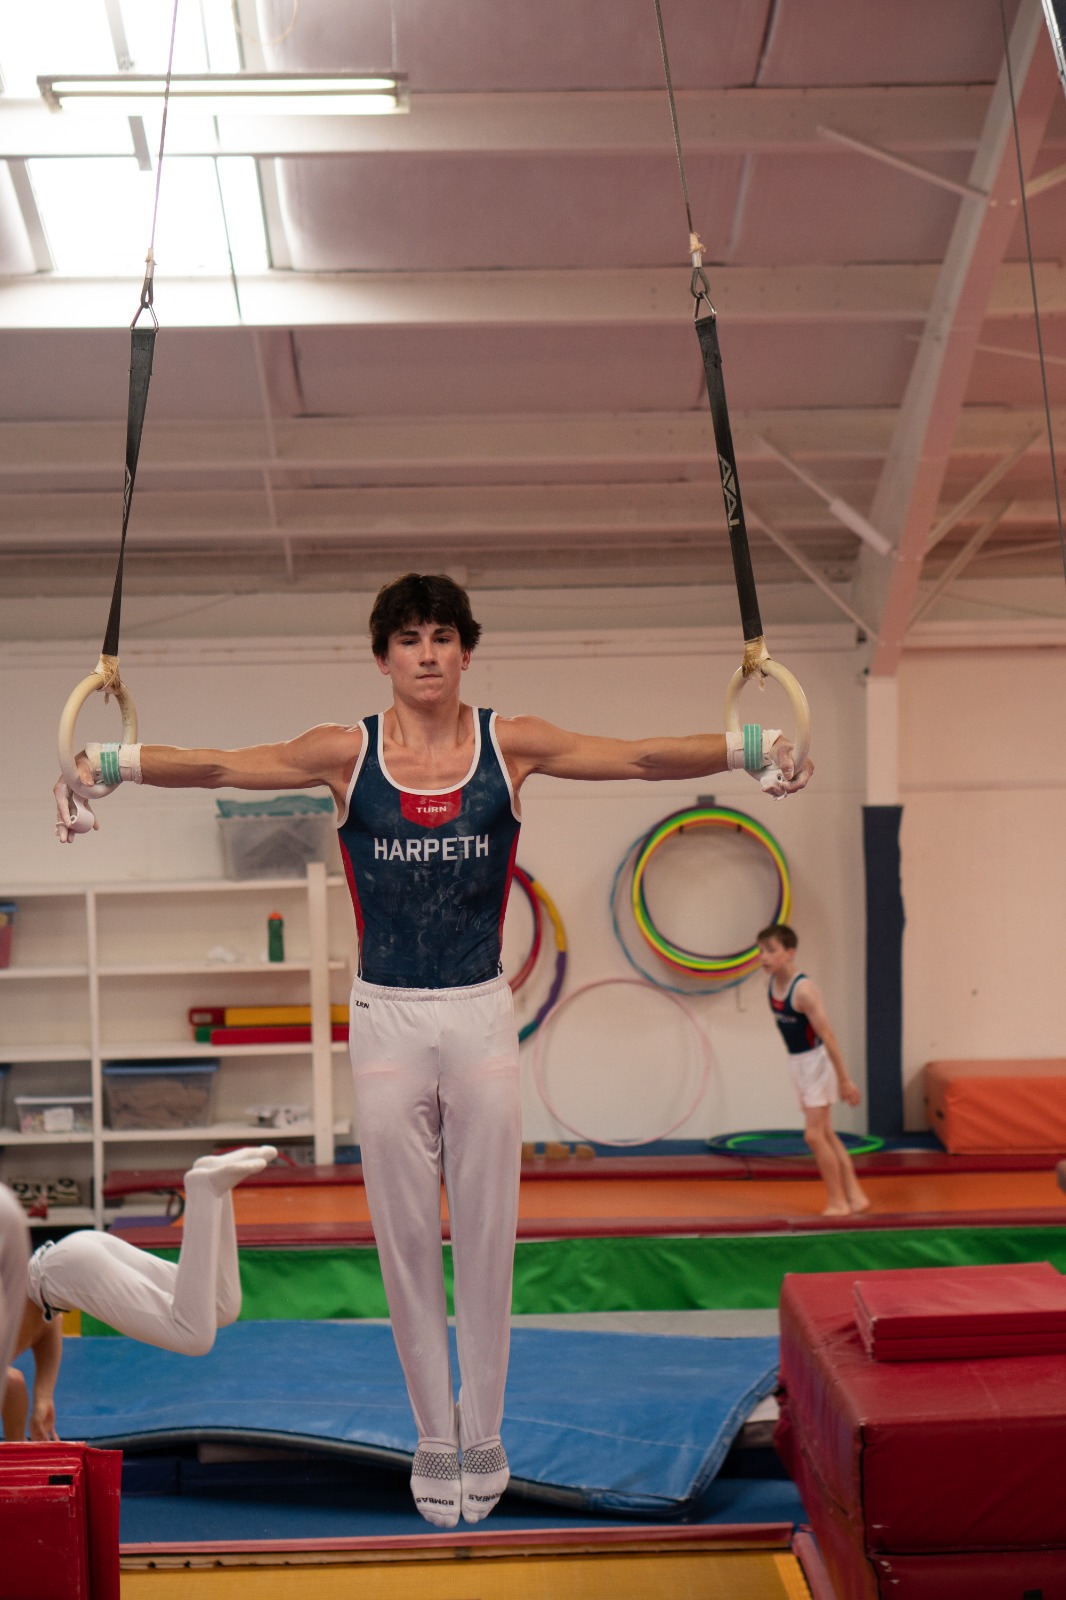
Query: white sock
[[227, 1171], [485, 1477], [435, 1485]]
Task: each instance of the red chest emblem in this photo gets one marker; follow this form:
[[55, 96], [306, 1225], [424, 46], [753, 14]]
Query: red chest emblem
[[430, 810]]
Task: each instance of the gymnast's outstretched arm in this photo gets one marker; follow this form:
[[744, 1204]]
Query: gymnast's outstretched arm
[[324, 755]]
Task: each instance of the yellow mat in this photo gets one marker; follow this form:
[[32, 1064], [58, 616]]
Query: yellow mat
[[689, 1575]]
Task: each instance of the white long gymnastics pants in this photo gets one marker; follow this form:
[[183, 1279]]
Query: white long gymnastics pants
[[177, 1307], [437, 1090], [14, 1254]]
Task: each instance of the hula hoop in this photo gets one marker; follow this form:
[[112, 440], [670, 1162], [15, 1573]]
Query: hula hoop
[[105, 677], [560, 958], [767, 667], [741, 1144], [739, 964], [706, 983], [525, 883], [645, 1138]]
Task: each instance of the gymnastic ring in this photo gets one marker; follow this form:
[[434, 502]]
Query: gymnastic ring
[[561, 956], [740, 963], [767, 667], [106, 678], [705, 1064], [526, 885]]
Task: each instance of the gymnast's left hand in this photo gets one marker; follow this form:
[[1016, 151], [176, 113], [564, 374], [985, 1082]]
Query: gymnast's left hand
[[43, 1422], [782, 778]]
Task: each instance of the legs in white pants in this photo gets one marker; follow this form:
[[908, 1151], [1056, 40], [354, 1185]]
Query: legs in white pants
[[175, 1307], [14, 1254], [437, 1089]]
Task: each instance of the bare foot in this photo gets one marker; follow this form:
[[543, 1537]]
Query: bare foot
[[837, 1211], [863, 1203]]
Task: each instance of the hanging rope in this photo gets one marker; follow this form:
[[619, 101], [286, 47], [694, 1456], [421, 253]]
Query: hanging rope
[[1032, 285], [106, 675], [756, 658]]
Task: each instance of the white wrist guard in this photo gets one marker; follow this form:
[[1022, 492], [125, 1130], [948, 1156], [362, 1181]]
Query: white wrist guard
[[751, 748], [114, 763]]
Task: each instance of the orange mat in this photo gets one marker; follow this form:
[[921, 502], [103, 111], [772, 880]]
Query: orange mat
[[668, 1198]]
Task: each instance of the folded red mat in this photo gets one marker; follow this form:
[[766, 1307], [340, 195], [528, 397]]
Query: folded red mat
[[945, 1313]]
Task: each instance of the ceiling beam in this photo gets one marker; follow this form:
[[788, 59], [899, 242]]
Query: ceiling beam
[[850, 442], [898, 293], [686, 510], [740, 121], [905, 505]]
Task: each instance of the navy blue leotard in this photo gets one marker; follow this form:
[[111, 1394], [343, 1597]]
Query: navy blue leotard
[[795, 1025], [430, 870]]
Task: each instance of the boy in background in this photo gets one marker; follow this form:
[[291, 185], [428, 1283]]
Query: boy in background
[[819, 1075]]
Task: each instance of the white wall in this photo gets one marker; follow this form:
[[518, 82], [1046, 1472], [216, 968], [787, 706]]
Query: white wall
[[618, 1060], [983, 785]]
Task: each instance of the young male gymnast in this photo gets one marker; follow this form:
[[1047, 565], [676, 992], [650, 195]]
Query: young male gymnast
[[427, 801], [819, 1075], [177, 1307]]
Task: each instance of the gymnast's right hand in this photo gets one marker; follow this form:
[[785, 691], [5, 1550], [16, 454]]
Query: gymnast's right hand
[[73, 814]]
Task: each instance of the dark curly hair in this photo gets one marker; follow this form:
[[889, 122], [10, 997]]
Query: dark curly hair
[[421, 597]]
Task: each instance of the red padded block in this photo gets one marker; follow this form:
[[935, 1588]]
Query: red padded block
[[997, 1105], [934, 1575], [59, 1522], [923, 1455], [929, 1313]]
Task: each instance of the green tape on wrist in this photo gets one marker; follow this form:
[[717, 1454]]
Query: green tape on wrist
[[109, 767], [753, 747]]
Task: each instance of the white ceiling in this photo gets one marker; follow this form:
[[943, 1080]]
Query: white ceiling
[[475, 348]]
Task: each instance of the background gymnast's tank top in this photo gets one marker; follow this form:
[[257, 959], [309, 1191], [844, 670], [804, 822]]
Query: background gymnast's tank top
[[430, 870], [795, 1027]]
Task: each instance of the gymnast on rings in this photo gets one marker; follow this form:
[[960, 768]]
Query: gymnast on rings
[[428, 814], [176, 1307]]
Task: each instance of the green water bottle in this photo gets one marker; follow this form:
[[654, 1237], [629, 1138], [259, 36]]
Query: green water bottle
[[275, 937]]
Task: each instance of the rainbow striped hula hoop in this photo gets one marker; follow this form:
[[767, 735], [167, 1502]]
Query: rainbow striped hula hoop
[[739, 964]]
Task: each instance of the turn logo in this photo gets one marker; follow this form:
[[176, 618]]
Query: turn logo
[[431, 810]]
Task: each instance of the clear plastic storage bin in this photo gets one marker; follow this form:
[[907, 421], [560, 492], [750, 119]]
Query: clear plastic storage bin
[[159, 1094], [276, 838], [54, 1113]]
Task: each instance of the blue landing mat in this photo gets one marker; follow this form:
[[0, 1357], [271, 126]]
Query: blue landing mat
[[595, 1421]]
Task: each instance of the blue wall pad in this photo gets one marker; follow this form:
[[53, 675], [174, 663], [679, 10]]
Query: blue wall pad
[[595, 1421]]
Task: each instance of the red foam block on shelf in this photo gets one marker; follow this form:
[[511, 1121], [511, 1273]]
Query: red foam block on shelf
[[296, 1033], [943, 1313]]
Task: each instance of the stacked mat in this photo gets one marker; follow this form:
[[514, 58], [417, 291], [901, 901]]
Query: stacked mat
[[937, 1478], [262, 1024]]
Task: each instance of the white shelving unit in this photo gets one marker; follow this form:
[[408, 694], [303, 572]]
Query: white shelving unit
[[107, 972]]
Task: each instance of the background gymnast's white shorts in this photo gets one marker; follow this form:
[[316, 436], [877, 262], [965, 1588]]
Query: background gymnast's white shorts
[[813, 1078]]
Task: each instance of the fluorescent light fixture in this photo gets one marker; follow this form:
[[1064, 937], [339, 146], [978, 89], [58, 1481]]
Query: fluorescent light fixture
[[223, 94]]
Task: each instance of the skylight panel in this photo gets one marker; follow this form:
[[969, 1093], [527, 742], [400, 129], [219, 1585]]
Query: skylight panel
[[98, 217]]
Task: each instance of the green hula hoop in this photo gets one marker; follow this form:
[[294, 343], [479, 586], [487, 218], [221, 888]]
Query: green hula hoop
[[740, 963]]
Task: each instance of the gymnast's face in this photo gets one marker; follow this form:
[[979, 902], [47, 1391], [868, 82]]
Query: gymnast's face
[[425, 661], [774, 958]]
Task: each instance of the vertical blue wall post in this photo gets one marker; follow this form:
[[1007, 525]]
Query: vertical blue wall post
[[884, 968]]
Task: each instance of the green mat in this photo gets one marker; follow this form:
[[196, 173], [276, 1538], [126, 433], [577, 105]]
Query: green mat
[[717, 1273]]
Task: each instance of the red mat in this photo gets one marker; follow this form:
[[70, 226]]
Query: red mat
[[941, 1314], [918, 1458], [59, 1522]]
